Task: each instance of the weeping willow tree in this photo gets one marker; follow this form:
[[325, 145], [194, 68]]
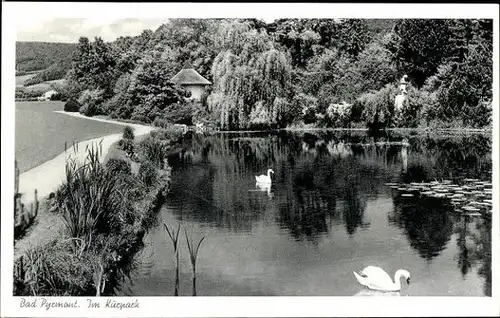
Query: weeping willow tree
[[251, 79]]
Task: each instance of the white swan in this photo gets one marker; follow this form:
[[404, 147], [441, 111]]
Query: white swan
[[376, 293], [376, 278], [263, 178], [264, 187]]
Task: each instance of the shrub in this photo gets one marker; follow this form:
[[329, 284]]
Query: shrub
[[56, 269], [378, 107], [161, 122], [72, 106], [27, 94], [147, 173], [128, 133], [141, 118], [91, 101], [154, 148], [118, 166], [338, 115]]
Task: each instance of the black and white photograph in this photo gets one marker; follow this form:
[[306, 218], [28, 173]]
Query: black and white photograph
[[275, 155]]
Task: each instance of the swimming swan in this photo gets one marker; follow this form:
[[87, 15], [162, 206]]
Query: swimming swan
[[376, 278], [263, 178]]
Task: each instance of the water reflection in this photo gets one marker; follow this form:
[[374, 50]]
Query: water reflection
[[426, 223], [482, 252], [328, 190]]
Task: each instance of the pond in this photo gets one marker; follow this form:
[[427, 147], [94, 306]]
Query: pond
[[328, 213]]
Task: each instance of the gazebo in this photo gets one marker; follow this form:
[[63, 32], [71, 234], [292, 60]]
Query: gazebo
[[189, 79]]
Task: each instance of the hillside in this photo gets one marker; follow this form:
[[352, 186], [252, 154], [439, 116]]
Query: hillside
[[35, 56], [51, 60]]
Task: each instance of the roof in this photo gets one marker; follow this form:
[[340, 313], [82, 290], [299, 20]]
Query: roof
[[189, 76]]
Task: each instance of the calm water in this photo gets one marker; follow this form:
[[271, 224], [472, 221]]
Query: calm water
[[327, 213]]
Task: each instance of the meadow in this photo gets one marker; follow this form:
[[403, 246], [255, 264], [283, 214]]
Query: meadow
[[23, 78], [40, 134]]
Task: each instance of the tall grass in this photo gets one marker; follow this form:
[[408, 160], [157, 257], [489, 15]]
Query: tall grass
[[193, 255], [91, 199], [157, 145], [174, 238]]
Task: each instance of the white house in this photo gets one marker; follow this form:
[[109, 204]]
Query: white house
[[192, 81], [47, 96]]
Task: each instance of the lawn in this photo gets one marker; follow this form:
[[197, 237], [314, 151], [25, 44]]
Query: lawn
[[41, 133], [23, 78]]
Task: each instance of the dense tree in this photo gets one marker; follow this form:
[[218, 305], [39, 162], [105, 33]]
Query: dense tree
[[249, 75], [151, 92], [327, 72], [420, 46], [93, 65]]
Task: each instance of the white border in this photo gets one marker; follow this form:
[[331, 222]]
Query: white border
[[240, 306]]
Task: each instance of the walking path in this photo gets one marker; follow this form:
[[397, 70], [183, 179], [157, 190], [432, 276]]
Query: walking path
[[48, 176]]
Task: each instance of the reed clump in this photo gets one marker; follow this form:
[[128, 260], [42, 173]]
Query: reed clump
[[193, 255], [106, 212]]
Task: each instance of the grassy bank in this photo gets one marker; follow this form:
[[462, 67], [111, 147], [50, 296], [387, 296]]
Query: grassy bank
[[104, 211], [41, 134]]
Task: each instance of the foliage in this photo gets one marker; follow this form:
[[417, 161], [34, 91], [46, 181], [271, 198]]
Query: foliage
[[90, 201], [338, 115], [128, 133], [463, 89], [22, 93], [93, 66], [54, 72], [106, 213], [127, 142], [292, 70], [118, 166], [378, 106], [91, 101], [151, 93], [155, 147], [62, 91], [34, 56], [147, 173], [419, 46], [72, 106], [247, 74], [305, 107]]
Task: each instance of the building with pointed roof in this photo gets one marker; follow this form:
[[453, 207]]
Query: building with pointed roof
[[189, 79]]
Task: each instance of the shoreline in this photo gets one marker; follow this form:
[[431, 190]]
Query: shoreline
[[46, 177]]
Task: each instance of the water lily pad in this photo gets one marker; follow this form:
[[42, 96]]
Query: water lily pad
[[471, 208], [474, 214], [471, 180]]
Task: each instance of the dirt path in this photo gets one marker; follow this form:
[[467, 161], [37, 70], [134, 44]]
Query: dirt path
[[49, 175]]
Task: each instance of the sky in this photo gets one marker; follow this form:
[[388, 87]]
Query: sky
[[68, 30]]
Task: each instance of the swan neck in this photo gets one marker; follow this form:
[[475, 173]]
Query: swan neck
[[397, 279]]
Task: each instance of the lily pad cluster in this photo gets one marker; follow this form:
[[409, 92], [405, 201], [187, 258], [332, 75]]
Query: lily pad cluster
[[471, 196]]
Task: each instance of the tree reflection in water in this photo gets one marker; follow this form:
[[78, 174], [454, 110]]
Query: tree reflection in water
[[474, 247], [324, 176], [483, 251], [426, 223]]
